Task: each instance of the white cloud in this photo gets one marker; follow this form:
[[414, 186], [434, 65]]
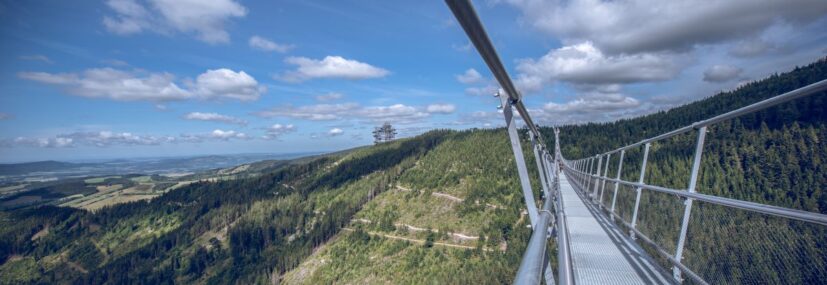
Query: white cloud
[[156, 87], [440, 108], [488, 89], [593, 104], [205, 19], [109, 138], [335, 132], [99, 139], [5, 116], [226, 135], [396, 113], [585, 64], [721, 73], [592, 107], [114, 84], [278, 130], [469, 77], [214, 117], [330, 67], [320, 112], [36, 57], [263, 44], [225, 83], [331, 96], [634, 26]]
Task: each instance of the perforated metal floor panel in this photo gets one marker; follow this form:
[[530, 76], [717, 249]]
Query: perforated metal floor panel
[[600, 253]]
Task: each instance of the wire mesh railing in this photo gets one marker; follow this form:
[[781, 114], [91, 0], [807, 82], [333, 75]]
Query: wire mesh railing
[[720, 239]]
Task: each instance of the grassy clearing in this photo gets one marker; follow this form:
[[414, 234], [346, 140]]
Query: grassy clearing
[[108, 188], [142, 179], [13, 188], [97, 180], [116, 199]]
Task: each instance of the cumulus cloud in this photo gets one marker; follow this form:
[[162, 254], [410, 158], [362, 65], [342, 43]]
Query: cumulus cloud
[[396, 113], [440, 108], [330, 67], [226, 135], [205, 19], [277, 130], [593, 104], [225, 83], [319, 112], [264, 44], [585, 64], [331, 96], [214, 117], [123, 85], [616, 28], [100, 139], [335, 132], [470, 76], [721, 73], [109, 138], [593, 107], [490, 89], [36, 57]]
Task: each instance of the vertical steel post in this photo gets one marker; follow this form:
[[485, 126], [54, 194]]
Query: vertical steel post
[[617, 185], [538, 159], [522, 170], [588, 175], [693, 180], [638, 190], [597, 176], [603, 185]]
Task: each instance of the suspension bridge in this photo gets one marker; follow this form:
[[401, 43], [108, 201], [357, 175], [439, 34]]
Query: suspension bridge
[[592, 214]]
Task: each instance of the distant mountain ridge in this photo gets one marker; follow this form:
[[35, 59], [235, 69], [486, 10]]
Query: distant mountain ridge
[[37, 166], [60, 169]]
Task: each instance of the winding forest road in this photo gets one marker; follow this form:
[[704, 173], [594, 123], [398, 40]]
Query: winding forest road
[[418, 241], [449, 197]]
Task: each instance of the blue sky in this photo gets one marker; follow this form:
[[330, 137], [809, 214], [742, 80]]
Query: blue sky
[[130, 78]]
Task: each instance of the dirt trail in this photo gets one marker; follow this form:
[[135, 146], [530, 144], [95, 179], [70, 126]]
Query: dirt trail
[[418, 241], [459, 236], [449, 197]]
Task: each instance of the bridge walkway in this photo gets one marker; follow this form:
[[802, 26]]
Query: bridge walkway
[[600, 252]]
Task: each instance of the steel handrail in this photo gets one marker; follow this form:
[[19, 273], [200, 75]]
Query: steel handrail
[[800, 215], [467, 17]]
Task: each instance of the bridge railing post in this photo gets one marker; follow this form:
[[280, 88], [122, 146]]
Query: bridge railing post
[[588, 171], [693, 180], [603, 184], [639, 190], [617, 185], [597, 176], [519, 159], [539, 161]]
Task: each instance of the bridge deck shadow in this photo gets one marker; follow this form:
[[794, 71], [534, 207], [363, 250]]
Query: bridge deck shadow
[[600, 252]]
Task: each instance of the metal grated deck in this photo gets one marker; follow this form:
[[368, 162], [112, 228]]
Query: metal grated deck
[[600, 253]]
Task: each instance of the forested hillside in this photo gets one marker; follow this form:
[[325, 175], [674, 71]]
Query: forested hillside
[[445, 208]]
